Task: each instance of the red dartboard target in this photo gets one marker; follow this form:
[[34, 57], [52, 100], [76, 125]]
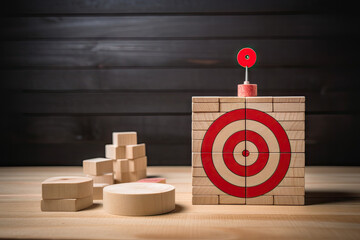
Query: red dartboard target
[[260, 149]]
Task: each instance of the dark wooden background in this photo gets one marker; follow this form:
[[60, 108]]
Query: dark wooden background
[[72, 72]]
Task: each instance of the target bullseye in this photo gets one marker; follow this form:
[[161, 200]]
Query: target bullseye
[[231, 143], [246, 57]]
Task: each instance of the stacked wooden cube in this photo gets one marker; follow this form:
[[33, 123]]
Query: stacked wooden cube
[[129, 157], [101, 171], [66, 194]]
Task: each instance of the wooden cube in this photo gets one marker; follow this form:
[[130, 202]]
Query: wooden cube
[[124, 138], [66, 205], [115, 152], [135, 151], [121, 170], [107, 178], [98, 166], [67, 187], [137, 164], [248, 150], [98, 190]]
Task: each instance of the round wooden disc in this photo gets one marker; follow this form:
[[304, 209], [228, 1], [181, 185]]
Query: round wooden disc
[[139, 199]]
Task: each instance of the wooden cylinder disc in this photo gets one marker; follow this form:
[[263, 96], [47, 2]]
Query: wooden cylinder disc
[[139, 199]]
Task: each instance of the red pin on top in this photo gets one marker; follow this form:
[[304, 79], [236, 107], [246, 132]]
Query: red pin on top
[[246, 58]]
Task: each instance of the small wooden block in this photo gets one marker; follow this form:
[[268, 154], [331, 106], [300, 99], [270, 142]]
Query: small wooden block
[[289, 200], [227, 107], [205, 99], [66, 205], [205, 107], [295, 172], [265, 107], [289, 99], [114, 152], [137, 175], [139, 199], [206, 190], [261, 200], [67, 187], [201, 125], [201, 181], [287, 191], [293, 125], [98, 166], [288, 116], [107, 178], [227, 199], [121, 170], [297, 146], [198, 172], [196, 145], [135, 151], [98, 190], [153, 180], [196, 160], [205, 200], [232, 99], [211, 116], [289, 107], [297, 160], [123, 177], [198, 135], [296, 135], [259, 99], [137, 164], [292, 182], [124, 138]]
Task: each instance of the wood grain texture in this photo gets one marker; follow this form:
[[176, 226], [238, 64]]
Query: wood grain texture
[[331, 210]]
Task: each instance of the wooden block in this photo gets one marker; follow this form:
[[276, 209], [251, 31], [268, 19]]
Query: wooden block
[[114, 152], [196, 160], [201, 181], [289, 99], [124, 138], [297, 146], [196, 145], [205, 99], [139, 199], [261, 200], [206, 190], [259, 99], [153, 180], [297, 160], [205, 107], [135, 151], [295, 172], [66, 205], [205, 199], [265, 107], [288, 116], [296, 135], [232, 99], [292, 182], [198, 172], [293, 125], [201, 125], [98, 190], [98, 166], [137, 175], [289, 107], [210, 116], [67, 187], [137, 164], [289, 200], [122, 177], [227, 107], [287, 191], [121, 171], [107, 178], [198, 135], [227, 199]]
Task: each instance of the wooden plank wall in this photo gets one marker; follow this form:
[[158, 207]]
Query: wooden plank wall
[[73, 71]]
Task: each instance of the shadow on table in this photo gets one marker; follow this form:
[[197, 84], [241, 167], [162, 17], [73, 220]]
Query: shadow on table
[[94, 206], [320, 197]]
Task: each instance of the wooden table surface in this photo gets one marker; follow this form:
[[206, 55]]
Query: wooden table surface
[[332, 211]]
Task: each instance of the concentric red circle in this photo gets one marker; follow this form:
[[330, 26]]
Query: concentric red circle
[[246, 57], [214, 130]]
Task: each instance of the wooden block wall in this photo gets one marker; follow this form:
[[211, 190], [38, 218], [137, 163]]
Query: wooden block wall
[[288, 112]]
